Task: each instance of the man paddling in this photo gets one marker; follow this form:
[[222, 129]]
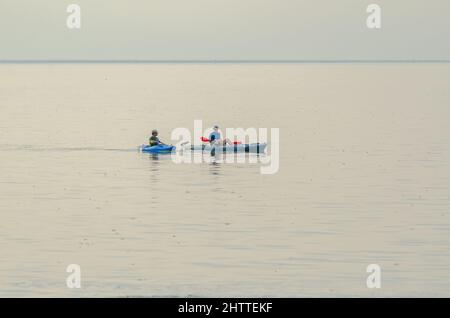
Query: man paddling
[[216, 139], [154, 140]]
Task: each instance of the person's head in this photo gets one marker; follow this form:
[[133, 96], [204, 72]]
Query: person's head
[[216, 127], [154, 132]]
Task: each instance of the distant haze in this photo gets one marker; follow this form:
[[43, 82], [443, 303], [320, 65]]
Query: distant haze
[[224, 30]]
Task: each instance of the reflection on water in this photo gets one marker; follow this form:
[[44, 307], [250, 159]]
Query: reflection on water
[[214, 167]]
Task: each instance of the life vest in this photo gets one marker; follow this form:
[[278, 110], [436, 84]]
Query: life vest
[[215, 135]]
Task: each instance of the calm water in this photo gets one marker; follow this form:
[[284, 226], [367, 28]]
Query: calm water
[[364, 178]]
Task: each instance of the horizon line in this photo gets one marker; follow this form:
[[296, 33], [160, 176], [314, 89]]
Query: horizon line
[[218, 61]]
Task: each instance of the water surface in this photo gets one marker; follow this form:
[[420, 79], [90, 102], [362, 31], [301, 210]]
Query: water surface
[[364, 178]]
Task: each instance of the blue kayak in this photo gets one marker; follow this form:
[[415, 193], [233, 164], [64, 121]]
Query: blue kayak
[[255, 148], [157, 149]]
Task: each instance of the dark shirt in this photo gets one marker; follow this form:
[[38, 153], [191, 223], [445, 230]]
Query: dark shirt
[[213, 136], [153, 141]]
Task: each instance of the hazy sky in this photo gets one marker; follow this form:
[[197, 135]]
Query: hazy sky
[[224, 29]]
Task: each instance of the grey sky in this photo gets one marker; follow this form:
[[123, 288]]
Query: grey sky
[[224, 30]]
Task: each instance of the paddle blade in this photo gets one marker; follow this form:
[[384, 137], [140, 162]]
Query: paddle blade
[[204, 139], [237, 142]]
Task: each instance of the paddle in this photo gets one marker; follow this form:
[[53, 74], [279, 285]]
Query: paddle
[[204, 139]]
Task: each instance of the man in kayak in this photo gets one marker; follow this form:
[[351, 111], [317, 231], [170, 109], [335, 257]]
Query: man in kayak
[[216, 139], [154, 140]]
